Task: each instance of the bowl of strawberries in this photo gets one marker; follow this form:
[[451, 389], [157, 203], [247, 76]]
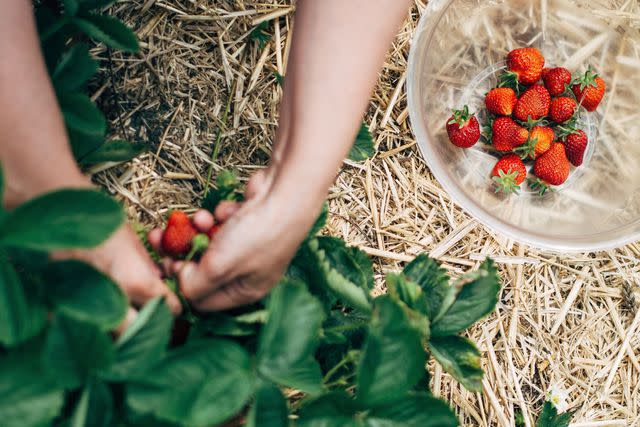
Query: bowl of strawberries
[[528, 114]]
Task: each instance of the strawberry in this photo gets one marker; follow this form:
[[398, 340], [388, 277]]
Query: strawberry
[[463, 128], [556, 80], [508, 174], [507, 134], [534, 104], [526, 64], [539, 142], [177, 236], [576, 145], [501, 101], [551, 168], [562, 109], [589, 90]]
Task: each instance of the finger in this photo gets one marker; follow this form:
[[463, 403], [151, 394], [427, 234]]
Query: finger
[[236, 294], [203, 220], [256, 183], [131, 315], [226, 209], [155, 239], [199, 280], [141, 293]]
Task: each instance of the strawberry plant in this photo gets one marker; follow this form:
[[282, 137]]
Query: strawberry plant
[[345, 357], [65, 29]]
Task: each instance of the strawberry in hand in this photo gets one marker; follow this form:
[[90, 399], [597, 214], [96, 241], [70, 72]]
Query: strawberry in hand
[[463, 128], [589, 90]]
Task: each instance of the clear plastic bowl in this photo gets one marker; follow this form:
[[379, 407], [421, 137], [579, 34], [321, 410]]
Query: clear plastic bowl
[[457, 52]]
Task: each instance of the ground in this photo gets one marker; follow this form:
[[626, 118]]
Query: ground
[[571, 320]]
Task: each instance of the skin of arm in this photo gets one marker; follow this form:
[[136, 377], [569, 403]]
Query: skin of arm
[[36, 157], [338, 47]]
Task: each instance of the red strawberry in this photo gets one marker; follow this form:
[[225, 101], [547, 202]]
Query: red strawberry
[[509, 173], [539, 142], [562, 109], [552, 168], [463, 128], [177, 237], [556, 80], [527, 64], [534, 104], [576, 145], [589, 90], [507, 134], [501, 101]]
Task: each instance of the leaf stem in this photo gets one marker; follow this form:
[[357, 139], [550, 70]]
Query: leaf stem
[[216, 146]]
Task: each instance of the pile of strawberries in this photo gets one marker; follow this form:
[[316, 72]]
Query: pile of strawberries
[[533, 116]]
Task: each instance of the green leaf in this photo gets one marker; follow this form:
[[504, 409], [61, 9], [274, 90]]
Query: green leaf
[[337, 409], [549, 417], [81, 292], [334, 267], [82, 115], [143, 343], [28, 398], [63, 219], [75, 68], [334, 409], [434, 282], [414, 410], [89, 5], [269, 408], [363, 147], [393, 359], [222, 324], [20, 318], [411, 299], [95, 407], [71, 6], [459, 357], [477, 298], [259, 34], [114, 151], [83, 144], [321, 221], [200, 384], [227, 184], [290, 337], [109, 30], [50, 25], [75, 350]]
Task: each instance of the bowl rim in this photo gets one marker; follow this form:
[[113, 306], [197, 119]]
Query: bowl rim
[[587, 243]]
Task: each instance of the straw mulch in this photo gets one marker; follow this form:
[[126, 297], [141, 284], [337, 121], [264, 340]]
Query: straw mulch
[[571, 320]]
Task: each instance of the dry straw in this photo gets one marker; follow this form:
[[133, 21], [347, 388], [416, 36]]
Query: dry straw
[[571, 320]]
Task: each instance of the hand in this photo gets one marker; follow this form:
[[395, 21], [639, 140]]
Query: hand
[[123, 258], [249, 254]]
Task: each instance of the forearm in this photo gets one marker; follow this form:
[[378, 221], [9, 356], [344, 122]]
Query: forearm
[[34, 151], [337, 50]]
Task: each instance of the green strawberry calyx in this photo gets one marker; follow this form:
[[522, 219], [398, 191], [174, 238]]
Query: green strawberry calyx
[[461, 117], [587, 79], [506, 182]]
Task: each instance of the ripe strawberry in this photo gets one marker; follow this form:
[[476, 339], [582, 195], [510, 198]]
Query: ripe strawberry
[[501, 101], [527, 64], [508, 174], [177, 237], [589, 90], [507, 134], [463, 128], [534, 104], [539, 142], [562, 109], [552, 167], [556, 80], [576, 145]]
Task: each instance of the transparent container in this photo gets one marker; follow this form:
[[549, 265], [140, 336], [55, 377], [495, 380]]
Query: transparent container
[[457, 53]]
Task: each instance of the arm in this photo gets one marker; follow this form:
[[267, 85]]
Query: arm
[[337, 50], [36, 157]]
